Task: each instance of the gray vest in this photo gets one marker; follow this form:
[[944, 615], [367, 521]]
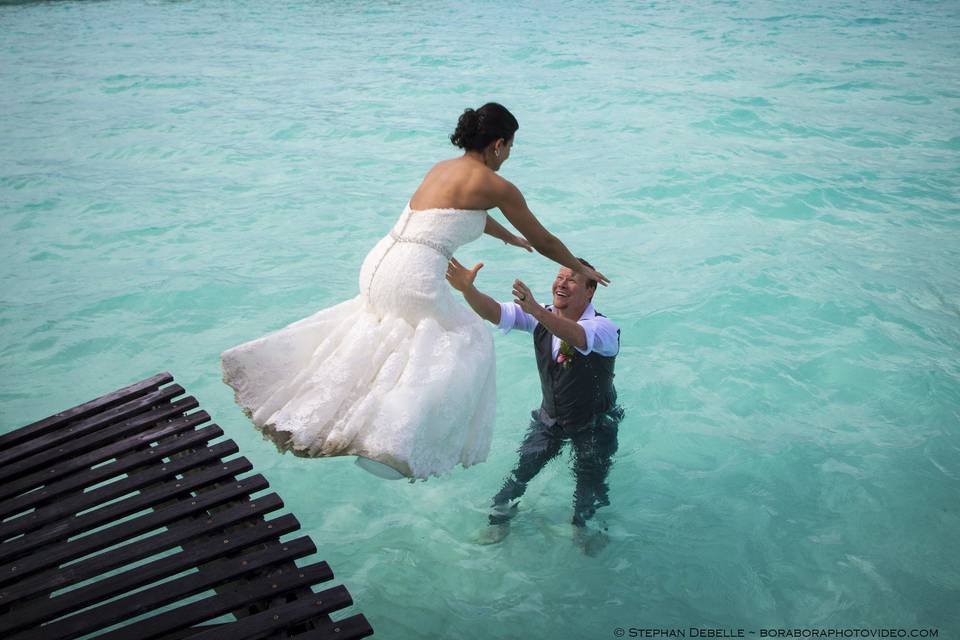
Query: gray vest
[[573, 395]]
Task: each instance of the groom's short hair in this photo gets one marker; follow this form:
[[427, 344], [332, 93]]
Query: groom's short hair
[[591, 284]]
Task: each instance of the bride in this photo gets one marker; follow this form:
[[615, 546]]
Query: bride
[[401, 375]]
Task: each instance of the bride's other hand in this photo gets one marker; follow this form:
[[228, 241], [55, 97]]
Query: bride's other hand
[[459, 277], [511, 202], [520, 241]]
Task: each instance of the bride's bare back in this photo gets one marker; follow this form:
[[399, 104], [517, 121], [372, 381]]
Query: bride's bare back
[[459, 183]]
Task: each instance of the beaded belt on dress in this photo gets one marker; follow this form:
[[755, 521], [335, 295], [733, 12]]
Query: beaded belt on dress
[[428, 243]]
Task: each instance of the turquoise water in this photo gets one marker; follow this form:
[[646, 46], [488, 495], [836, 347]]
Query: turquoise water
[[773, 191]]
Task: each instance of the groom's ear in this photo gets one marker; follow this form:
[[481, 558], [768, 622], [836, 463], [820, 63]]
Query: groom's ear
[[591, 290]]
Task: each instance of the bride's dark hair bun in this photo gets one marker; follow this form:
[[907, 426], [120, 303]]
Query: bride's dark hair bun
[[477, 128]]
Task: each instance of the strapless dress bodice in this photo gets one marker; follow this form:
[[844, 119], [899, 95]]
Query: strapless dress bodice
[[443, 229]]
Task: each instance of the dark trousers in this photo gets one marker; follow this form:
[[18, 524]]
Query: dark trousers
[[593, 445]]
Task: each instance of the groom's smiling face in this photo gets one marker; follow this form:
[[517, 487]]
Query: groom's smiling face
[[570, 290]]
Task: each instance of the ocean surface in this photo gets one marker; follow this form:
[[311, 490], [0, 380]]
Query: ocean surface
[[772, 187]]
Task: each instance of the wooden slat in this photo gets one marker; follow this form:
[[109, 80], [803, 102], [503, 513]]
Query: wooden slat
[[260, 625], [148, 498], [276, 584], [129, 463], [182, 634], [80, 411], [162, 594], [68, 507], [124, 412], [43, 610], [55, 555], [352, 628], [85, 461], [58, 578], [86, 439]]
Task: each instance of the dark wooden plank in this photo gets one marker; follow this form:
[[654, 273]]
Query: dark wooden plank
[[186, 633], [352, 628], [277, 584], [41, 611], [120, 413], [126, 464], [85, 461], [60, 577], [260, 625], [66, 508], [86, 438], [221, 589], [160, 595], [53, 556], [80, 411], [148, 498]]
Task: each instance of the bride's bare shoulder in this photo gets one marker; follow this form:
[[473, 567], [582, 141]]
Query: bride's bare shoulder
[[455, 164], [457, 183]]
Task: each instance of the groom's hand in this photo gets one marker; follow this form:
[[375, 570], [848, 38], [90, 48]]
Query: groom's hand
[[459, 277], [524, 297]]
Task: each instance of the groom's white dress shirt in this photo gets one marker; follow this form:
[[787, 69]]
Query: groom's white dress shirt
[[602, 334]]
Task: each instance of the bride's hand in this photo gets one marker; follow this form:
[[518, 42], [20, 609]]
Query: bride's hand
[[593, 274], [459, 277], [520, 241]]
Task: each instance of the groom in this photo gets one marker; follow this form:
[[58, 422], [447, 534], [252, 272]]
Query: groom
[[575, 348]]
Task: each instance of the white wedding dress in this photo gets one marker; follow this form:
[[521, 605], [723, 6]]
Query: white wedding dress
[[402, 374]]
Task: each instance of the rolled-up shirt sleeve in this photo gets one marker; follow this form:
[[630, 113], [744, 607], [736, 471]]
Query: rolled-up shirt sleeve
[[602, 336], [513, 317]]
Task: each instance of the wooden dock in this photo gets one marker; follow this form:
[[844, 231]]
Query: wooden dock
[[123, 519]]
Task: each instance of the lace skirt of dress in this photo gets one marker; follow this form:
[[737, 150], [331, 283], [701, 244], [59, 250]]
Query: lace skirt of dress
[[404, 377]]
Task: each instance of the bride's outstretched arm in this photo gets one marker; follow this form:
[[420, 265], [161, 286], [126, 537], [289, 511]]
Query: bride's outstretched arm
[[497, 230], [514, 207], [461, 279]]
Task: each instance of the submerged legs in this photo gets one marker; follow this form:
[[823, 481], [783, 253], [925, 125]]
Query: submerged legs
[[539, 446]]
